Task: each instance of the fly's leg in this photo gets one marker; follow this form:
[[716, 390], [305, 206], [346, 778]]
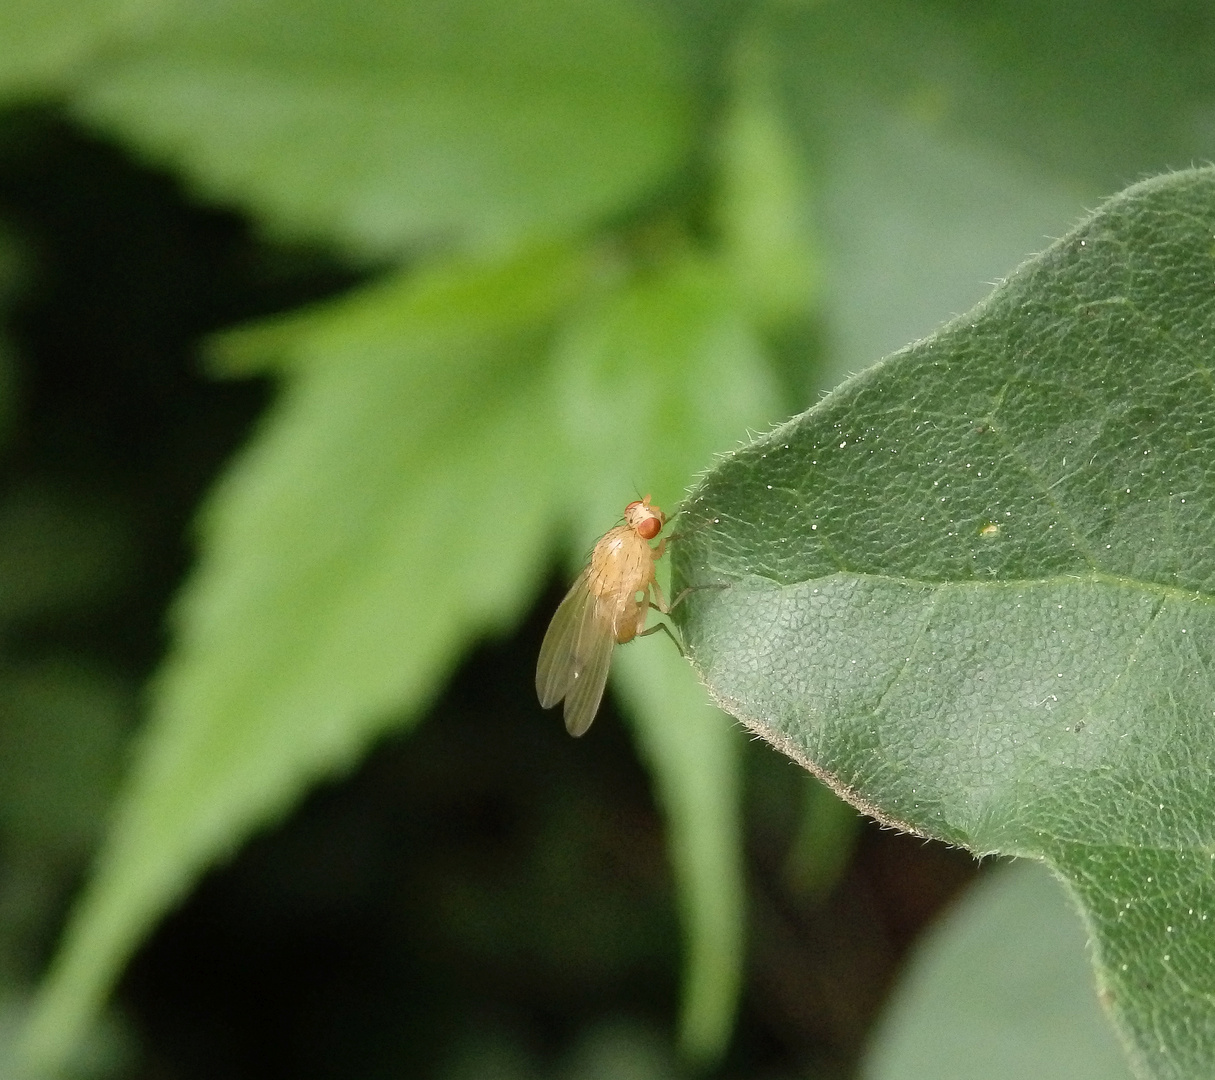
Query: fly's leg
[[668, 631], [660, 604], [660, 601]]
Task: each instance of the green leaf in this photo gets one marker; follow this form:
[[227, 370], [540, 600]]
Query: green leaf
[[397, 503], [764, 204], [383, 124], [694, 754], [42, 41], [1001, 989], [972, 590], [657, 375], [659, 372], [917, 225], [823, 845], [1030, 78], [952, 140]]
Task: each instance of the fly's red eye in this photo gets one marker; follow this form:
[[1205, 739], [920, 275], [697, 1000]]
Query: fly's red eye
[[649, 528]]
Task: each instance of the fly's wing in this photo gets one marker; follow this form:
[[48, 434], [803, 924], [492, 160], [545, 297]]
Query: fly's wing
[[596, 640], [558, 664], [574, 658]]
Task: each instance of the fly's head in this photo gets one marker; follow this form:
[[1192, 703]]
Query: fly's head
[[646, 520]]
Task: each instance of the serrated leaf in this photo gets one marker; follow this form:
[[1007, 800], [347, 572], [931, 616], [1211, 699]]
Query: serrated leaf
[[397, 503], [972, 589], [382, 124], [1000, 989]]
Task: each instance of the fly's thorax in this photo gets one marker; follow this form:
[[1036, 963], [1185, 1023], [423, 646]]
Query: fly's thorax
[[622, 565]]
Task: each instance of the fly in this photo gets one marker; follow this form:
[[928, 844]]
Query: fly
[[605, 607]]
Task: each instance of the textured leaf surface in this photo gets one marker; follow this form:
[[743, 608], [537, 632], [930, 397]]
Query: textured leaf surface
[[382, 124], [973, 589], [1001, 989]]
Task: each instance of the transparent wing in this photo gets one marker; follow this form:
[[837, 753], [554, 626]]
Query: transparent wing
[[557, 665], [575, 657], [596, 640]]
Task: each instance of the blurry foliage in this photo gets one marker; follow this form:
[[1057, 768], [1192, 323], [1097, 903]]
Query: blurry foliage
[[581, 247], [999, 989]]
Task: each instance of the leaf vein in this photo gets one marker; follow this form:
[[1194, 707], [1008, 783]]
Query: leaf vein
[[1044, 488]]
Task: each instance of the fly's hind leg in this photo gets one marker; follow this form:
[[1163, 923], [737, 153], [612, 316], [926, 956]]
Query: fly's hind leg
[[659, 603], [669, 632]]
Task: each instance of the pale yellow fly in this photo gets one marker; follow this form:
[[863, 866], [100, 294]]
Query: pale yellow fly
[[606, 606]]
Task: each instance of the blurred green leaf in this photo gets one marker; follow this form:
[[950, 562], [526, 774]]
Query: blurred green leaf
[[656, 375], [382, 124], [401, 500], [396, 504], [1000, 990], [951, 140], [43, 41], [823, 844], [693, 752], [972, 590], [1092, 90], [764, 203], [109, 1051], [916, 226], [661, 373]]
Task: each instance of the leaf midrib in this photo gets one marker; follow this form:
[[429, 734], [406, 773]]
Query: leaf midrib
[[1099, 577]]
